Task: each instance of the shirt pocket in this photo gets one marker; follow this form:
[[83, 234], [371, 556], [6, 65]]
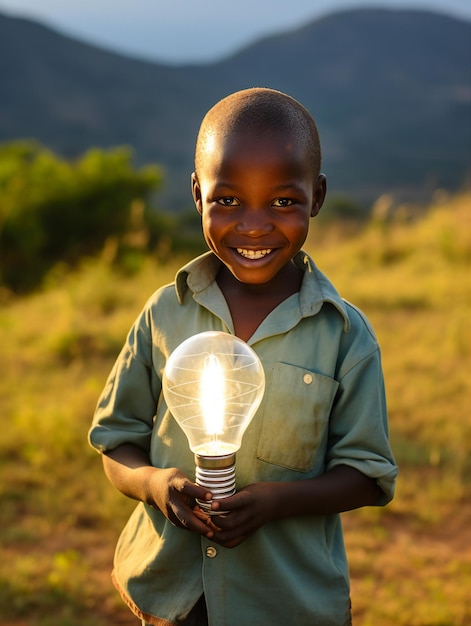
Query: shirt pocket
[[295, 416]]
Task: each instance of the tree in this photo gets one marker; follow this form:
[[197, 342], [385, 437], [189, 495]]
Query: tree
[[54, 210]]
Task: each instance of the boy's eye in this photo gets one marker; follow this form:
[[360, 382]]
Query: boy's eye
[[228, 201], [282, 202]]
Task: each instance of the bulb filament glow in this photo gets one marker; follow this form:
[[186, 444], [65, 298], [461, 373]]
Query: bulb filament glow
[[212, 396]]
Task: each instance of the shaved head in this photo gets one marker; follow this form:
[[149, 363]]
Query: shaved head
[[258, 111]]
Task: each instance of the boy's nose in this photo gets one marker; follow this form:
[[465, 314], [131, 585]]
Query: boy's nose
[[254, 223]]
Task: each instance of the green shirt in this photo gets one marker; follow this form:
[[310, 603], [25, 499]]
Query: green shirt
[[324, 405]]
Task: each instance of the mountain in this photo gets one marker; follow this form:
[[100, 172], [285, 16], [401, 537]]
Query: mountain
[[389, 89]]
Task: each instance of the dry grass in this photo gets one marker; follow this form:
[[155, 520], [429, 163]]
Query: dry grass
[[59, 518]]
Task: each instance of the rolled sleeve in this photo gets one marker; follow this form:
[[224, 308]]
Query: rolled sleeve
[[126, 408], [358, 431]]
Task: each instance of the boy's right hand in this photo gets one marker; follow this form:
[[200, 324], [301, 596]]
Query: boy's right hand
[[174, 495], [169, 490]]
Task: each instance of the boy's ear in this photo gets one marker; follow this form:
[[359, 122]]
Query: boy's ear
[[196, 191], [320, 191]]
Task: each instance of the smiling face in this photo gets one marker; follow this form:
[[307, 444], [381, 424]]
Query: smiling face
[[256, 193]]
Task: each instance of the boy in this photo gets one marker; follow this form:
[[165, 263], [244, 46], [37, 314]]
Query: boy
[[318, 444]]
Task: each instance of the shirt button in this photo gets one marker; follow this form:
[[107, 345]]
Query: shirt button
[[211, 552], [307, 378]]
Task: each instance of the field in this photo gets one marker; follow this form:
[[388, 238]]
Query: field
[[59, 517]]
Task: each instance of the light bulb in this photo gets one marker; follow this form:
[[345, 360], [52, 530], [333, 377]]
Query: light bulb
[[213, 384]]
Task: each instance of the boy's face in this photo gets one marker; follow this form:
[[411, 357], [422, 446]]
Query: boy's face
[[256, 195]]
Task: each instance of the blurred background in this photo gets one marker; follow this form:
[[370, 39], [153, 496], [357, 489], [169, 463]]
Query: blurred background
[[99, 109]]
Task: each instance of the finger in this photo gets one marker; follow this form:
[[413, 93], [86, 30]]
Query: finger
[[206, 518], [200, 514], [195, 491], [238, 501], [212, 525], [230, 539], [196, 521]]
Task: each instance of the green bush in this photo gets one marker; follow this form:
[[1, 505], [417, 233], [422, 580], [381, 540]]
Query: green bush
[[53, 210]]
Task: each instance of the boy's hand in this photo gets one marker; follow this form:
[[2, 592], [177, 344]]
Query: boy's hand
[[174, 494], [342, 488], [169, 490], [207, 519], [249, 509]]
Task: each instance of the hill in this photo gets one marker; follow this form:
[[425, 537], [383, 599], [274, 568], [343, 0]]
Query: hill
[[390, 91]]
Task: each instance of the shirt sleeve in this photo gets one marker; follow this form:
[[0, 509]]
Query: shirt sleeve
[[358, 428], [127, 406]]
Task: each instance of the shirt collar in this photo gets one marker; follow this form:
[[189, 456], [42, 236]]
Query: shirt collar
[[316, 288], [197, 275]]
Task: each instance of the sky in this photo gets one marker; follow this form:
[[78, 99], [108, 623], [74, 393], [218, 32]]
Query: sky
[[182, 31]]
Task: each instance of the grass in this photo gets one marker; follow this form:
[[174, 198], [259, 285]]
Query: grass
[[59, 518]]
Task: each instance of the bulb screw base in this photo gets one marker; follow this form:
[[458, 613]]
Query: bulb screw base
[[217, 475]]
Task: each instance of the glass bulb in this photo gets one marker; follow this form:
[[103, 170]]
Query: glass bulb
[[213, 384]]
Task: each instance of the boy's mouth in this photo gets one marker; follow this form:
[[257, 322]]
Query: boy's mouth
[[253, 254]]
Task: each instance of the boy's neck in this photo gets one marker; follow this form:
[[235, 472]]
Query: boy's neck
[[250, 304]]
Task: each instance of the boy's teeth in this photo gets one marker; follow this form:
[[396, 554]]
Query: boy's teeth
[[253, 254]]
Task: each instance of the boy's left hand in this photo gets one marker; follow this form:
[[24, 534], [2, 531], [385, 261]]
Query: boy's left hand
[[342, 488], [248, 510]]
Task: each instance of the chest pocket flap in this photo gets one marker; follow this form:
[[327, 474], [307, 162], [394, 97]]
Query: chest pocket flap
[[295, 417]]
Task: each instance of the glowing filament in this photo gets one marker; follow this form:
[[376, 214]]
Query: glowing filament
[[212, 396]]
